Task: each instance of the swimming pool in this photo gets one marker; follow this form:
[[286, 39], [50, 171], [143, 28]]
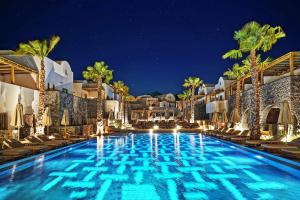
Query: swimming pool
[[151, 166]]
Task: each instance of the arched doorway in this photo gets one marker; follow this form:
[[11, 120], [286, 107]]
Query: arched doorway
[[269, 120]]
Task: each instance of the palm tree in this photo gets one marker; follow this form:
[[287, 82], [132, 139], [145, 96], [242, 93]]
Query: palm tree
[[237, 72], [185, 97], [40, 49], [98, 73], [122, 90], [251, 39], [192, 83], [128, 98]]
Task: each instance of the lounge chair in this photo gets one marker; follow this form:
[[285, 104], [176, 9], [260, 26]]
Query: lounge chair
[[224, 132], [276, 148], [291, 153], [34, 140], [15, 144], [47, 141], [234, 133], [245, 135], [256, 143]]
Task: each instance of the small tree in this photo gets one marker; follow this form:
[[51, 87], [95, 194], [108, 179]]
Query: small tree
[[192, 83]]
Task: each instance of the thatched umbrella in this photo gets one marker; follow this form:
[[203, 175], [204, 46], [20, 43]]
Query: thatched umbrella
[[215, 118], [65, 120], [224, 117], [46, 119], [235, 117], [17, 120], [285, 115]]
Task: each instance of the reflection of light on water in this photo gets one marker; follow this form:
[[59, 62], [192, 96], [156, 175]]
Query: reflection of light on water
[[201, 144], [177, 143], [132, 141], [100, 145], [39, 162], [233, 147], [156, 146], [192, 140], [259, 157], [151, 143], [13, 171]]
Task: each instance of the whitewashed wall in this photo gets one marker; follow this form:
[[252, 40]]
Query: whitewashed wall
[[9, 95]]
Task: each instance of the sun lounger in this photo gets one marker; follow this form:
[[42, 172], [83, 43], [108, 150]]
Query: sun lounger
[[292, 153], [232, 134], [15, 144], [34, 140], [44, 139], [277, 147], [243, 136]]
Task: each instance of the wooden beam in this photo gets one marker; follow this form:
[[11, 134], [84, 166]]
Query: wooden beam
[[292, 63], [12, 74]]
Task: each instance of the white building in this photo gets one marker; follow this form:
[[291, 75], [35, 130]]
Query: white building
[[19, 77]]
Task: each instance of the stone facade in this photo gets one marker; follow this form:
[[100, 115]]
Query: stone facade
[[82, 111], [272, 95]]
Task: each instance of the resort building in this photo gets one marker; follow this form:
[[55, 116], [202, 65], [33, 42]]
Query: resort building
[[19, 83], [158, 108], [85, 89], [279, 82]]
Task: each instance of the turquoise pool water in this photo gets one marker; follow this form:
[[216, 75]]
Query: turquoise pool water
[[157, 166]]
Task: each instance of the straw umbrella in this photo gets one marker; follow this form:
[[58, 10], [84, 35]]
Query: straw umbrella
[[65, 120], [235, 117], [46, 119], [285, 115], [224, 117], [215, 118], [17, 120]]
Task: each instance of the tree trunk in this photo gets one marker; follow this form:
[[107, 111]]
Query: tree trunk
[[99, 101], [238, 97], [255, 110], [41, 108], [120, 107], [192, 106], [123, 109]]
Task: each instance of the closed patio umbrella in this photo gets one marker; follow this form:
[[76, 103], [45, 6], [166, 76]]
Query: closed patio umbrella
[[235, 117], [224, 117], [215, 118], [17, 120], [46, 119], [285, 115], [65, 119]]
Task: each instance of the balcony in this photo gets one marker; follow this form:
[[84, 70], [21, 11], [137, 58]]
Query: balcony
[[217, 106]]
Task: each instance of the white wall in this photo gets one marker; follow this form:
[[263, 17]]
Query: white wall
[[9, 95]]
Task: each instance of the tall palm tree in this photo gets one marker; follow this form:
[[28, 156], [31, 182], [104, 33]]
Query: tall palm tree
[[98, 73], [251, 39], [237, 72], [120, 88], [192, 83], [185, 97], [128, 98], [40, 49]]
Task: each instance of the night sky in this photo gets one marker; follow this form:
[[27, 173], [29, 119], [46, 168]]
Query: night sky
[[150, 45]]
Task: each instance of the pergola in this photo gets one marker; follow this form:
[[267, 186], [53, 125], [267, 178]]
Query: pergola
[[287, 63], [12, 68]]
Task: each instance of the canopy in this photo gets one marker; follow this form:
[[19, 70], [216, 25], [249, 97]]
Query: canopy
[[46, 119], [65, 118]]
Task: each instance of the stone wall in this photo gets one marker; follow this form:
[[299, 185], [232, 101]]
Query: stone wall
[[200, 112], [272, 95], [81, 111]]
